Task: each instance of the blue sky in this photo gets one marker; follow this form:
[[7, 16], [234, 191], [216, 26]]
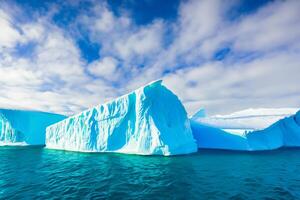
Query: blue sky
[[220, 55]]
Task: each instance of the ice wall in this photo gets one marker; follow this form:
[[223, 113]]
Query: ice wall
[[20, 127], [210, 137], [283, 133], [148, 121], [236, 136]]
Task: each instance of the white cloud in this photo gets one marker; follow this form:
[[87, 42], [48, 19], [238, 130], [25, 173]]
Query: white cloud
[[53, 78], [198, 20], [9, 36], [104, 68], [58, 56], [121, 38], [106, 21], [56, 78], [222, 88], [273, 26], [145, 41], [33, 31]]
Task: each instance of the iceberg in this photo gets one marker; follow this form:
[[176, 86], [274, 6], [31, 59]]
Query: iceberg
[[249, 119], [209, 137], [20, 127], [148, 121], [249, 130], [199, 114], [283, 133]]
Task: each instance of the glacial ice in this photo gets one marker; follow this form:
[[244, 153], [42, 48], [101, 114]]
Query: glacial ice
[[249, 119], [20, 127], [283, 133], [209, 137], [148, 121], [199, 114], [250, 130]]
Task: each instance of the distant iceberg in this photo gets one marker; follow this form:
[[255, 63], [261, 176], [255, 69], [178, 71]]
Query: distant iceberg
[[148, 121], [252, 129], [20, 127], [283, 133], [249, 119]]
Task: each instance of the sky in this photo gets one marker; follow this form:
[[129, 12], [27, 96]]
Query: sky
[[223, 56]]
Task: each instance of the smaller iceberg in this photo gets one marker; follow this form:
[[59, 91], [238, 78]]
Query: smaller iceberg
[[250, 130], [148, 121], [21, 127], [283, 133], [209, 137], [246, 120]]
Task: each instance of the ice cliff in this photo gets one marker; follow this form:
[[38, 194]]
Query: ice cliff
[[20, 127], [262, 129], [249, 119], [149, 121]]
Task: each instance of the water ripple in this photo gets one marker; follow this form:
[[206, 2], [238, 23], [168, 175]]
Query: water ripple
[[36, 173]]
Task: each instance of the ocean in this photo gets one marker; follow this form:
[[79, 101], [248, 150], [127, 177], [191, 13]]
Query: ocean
[[39, 173]]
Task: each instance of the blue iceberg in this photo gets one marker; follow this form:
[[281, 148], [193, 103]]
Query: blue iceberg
[[283, 133], [20, 127], [248, 132], [148, 121], [199, 114], [209, 137]]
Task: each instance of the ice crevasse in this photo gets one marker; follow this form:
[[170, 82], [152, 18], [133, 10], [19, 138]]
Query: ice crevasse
[[148, 121], [22, 127], [250, 130]]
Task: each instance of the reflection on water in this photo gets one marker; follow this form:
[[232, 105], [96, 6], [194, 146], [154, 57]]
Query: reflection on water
[[27, 173]]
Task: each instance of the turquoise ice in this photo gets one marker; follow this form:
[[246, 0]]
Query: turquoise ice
[[283, 133], [151, 121], [209, 137], [21, 127], [148, 121], [244, 133]]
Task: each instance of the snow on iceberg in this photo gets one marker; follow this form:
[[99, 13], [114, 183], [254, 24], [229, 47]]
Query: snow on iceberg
[[20, 127], [149, 121], [249, 119], [261, 129], [283, 133]]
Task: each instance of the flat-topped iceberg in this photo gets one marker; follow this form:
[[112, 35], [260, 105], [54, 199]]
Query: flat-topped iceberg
[[249, 119], [148, 121], [283, 133], [261, 129], [21, 127]]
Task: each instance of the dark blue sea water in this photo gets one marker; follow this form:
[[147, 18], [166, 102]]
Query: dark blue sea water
[[37, 173]]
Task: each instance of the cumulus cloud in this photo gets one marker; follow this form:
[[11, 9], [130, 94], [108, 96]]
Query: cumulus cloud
[[104, 68], [144, 41], [275, 25], [260, 66], [9, 36], [53, 77], [260, 70], [219, 88]]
